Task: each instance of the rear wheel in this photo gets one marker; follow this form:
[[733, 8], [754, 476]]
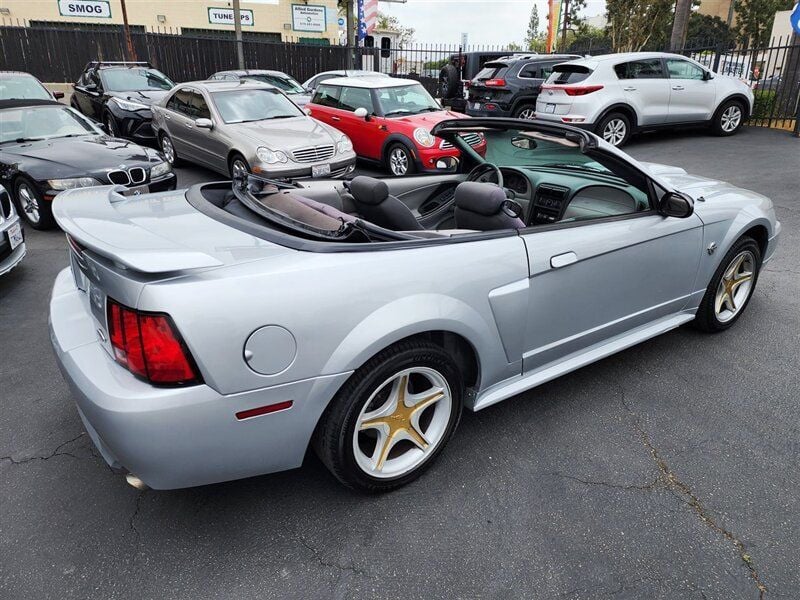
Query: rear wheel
[[400, 160], [526, 111], [729, 118], [36, 211], [168, 150], [614, 128]]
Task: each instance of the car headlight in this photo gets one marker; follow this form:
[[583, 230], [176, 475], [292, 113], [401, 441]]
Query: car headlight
[[271, 156], [128, 105], [160, 169], [69, 184], [423, 137], [344, 145]]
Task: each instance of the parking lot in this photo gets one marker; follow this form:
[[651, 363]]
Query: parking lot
[[667, 471]]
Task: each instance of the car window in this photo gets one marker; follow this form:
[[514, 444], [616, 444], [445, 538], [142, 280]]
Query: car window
[[405, 100], [683, 69], [133, 79], [42, 122], [327, 95], [536, 70], [286, 84], [352, 98], [198, 107], [180, 101], [243, 106], [564, 74], [650, 68], [22, 87], [491, 71]]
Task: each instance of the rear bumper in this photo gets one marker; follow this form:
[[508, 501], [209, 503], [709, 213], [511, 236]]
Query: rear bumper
[[178, 437]]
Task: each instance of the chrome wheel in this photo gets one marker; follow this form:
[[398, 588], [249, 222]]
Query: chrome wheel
[[398, 161], [615, 131], [239, 168], [29, 203], [168, 149], [735, 286], [402, 422], [527, 113], [731, 118]]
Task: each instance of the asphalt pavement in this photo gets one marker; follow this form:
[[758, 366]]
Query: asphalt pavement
[[671, 470]]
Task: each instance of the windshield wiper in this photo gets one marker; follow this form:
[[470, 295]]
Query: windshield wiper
[[399, 111], [23, 140]]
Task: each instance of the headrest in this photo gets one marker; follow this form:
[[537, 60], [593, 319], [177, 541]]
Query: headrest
[[368, 189], [482, 198]]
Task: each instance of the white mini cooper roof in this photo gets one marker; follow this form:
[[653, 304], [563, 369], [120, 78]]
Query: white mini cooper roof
[[369, 82]]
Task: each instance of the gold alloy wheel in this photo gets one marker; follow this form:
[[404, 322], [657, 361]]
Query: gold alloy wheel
[[735, 286], [402, 423]]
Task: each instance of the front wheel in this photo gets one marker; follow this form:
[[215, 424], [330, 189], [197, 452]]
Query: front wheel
[[392, 417], [399, 160], [731, 287], [728, 119], [111, 126], [238, 167], [614, 128], [36, 211]]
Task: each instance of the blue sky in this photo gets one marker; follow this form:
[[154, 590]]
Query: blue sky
[[488, 22]]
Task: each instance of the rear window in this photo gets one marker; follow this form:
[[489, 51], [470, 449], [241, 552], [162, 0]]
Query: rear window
[[569, 74], [491, 71]]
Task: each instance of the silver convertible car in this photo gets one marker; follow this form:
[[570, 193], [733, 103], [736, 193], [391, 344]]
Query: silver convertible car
[[217, 333]]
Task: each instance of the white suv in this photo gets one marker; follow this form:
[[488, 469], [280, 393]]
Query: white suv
[[616, 95]]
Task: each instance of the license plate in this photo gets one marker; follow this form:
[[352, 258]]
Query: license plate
[[550, 108], [476, 106], [136, 191], [15, 235], [320, 170]]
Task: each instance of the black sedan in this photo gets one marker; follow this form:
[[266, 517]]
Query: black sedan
[[119, 95], [46, 147]]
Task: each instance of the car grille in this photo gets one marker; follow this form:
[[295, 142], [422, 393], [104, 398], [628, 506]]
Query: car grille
[[313, 153], [473, 139], [133, 176]]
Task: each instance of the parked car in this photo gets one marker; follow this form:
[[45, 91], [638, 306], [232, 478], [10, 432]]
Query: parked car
[[46, 147], [338, 316], [18, 85], [389, 122], [616, 95], [12, 238], [288, 85], [311, 84], [246, 126], [456, 75], [771, 83], [119, 95], [509, 87]]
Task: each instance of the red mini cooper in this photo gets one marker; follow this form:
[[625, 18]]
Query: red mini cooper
[[389, 121]]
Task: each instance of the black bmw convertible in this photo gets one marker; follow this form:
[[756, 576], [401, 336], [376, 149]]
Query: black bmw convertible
[[46, 147]]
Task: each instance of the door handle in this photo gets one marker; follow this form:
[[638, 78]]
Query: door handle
[[562, 260], [677, 87], [335, 119], [629, 89]]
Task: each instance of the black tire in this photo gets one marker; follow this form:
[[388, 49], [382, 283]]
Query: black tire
[[237, 158], [449, 82], [610, 120], [707, 318], [165, 139], [395, 150], [525, 111], [333, 438], [719, 125], [111, 125], [38, 215]]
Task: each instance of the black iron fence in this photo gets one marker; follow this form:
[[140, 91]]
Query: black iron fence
[[59, 53]]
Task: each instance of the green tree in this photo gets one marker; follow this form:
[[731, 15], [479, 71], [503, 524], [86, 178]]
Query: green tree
[[533, 29], [705, 29], [754, 19], [633, 24], [391, 23]]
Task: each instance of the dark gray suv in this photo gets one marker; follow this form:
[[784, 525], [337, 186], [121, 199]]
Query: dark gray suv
[[509, 86]]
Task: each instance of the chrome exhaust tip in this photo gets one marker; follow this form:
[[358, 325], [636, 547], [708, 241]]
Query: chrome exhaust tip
[[134, 481]]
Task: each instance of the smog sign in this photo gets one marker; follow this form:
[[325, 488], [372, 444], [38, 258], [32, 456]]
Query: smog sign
[[97, 9], [307, 17], [224, 16]]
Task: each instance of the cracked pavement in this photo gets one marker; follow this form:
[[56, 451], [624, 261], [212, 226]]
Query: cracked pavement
[[671, 470]]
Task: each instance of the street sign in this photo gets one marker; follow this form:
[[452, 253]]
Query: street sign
[[224, 16], [308, 17], [85, 8]]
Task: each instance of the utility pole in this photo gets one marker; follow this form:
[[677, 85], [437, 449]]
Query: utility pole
[[565, 19], [351, 34], [128, 41], [237, 27]]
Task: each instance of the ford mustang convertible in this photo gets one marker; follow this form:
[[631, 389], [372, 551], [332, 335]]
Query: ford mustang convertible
[[219, 332]]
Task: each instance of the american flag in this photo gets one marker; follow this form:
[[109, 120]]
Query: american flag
[[370, 14]]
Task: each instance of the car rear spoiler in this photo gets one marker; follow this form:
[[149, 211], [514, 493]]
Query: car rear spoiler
[[90, 217]]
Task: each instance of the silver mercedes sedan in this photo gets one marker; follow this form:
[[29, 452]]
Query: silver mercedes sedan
[[246, 126], [220, 332]]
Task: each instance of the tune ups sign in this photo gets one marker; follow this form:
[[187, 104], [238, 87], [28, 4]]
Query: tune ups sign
[[95, 9]]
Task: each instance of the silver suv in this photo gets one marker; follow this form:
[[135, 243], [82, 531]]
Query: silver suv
[[619, 94]]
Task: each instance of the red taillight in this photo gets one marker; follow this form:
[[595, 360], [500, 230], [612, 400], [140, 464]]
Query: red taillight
[[494, 82], [149, 346], [574, 90]]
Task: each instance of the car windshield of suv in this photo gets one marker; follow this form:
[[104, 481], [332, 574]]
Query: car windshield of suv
[[243, 106], [133, 80], [32, 123], [286, 84], [405, 100], [22, 87]]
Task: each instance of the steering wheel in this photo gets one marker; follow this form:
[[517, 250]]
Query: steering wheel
[[480, 172]]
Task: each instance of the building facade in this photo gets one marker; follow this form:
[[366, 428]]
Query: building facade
[[311, 21]]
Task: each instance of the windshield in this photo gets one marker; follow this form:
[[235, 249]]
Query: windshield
[[132, 80], [241, 106], [42, 123], [286, 84], [22, 87], [405, 100]]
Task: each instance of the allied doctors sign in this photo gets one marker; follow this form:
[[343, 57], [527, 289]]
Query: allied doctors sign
[[306, 17], [85, 8], [224, 16]]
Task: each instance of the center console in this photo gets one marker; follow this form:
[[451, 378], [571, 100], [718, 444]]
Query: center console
[[548, 204]]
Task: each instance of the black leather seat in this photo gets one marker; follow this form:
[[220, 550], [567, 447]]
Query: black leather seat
[[373, 202], [484, 207]]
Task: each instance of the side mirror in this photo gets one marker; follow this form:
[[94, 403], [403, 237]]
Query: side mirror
[[707, 75], [203, 123], [674, 204], [448, 164], [58, 95], [361, 113], [307, 110]]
